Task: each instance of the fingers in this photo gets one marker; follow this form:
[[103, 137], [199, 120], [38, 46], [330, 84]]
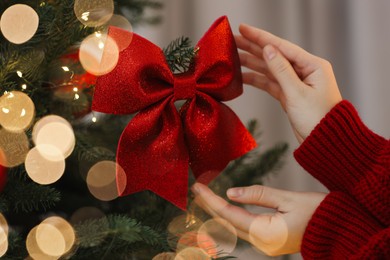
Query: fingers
[[292, 52], [253, 62], [218, 207], [259, 195], [246, 45], [262, 82], [282, 70]]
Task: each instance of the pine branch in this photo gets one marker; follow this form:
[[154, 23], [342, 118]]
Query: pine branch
[[20, 195], [86, 152], [179, 54], [115, 235], [269, 161], [3, 204], [16, 247]]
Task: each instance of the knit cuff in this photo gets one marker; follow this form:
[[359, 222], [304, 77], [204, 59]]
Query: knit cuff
[[338, 229], [341, 149]]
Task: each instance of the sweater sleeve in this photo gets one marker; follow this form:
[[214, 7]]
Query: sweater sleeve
[[341, 150], [342, 229], [344, 155]]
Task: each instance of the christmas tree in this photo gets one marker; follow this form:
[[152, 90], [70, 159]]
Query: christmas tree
[[62, 202]]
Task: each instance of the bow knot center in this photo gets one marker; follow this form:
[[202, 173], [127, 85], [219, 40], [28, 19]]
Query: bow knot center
[[184, 87]]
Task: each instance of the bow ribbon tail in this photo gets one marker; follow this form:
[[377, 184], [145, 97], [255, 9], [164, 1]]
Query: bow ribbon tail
[[153, 154], [215, 136]]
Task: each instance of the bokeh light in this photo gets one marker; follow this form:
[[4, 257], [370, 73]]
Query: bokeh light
[[58, 227], [181, 225], [184, 223], [14, 147], [51, 239], [93, 12], [124, 39], [16, 111], [98, 54], [45, 235], [267, 240], [222, 232], [192, 253], [45, 164], [19, 23], [56, 131], [165, 256], [86, 162], [3, 235], [86, 213], [121, 22], [33, 249], [198, 240], [101, 180]]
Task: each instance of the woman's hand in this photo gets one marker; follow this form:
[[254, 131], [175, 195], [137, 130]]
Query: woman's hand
[[275, 233], [303, 83]]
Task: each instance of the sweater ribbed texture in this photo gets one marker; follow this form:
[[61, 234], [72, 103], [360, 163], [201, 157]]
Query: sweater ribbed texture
[[354, 164]]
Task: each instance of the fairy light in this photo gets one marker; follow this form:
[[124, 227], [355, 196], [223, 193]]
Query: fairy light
[[20, 74], [75, 89], [76, 96], [94, 119], [24, 86], [5, 110], [84, 16], [65, 68], [98, 34], [101, 45], [93, 13]]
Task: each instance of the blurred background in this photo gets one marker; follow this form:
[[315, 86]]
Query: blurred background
[[354, 35]]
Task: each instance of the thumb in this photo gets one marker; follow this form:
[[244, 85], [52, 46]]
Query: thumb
[[259, 195], [281, 69]]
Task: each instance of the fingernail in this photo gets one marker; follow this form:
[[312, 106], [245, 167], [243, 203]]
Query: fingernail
[[270, 52], [234, 192], [196, 188]]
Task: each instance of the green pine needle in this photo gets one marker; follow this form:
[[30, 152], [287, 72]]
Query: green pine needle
[[16, 249], [116, 235], [179, 54], [28, 197]]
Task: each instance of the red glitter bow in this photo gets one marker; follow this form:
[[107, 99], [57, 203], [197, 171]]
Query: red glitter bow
[[159, 143]]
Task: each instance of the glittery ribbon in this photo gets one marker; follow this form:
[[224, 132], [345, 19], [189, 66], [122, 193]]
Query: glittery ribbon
[[160, 143]]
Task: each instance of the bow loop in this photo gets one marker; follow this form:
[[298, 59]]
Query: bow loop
[[140, 78], [159, 144], [218, 69]]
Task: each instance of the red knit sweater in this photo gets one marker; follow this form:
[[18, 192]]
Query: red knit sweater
[[353, 221]]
